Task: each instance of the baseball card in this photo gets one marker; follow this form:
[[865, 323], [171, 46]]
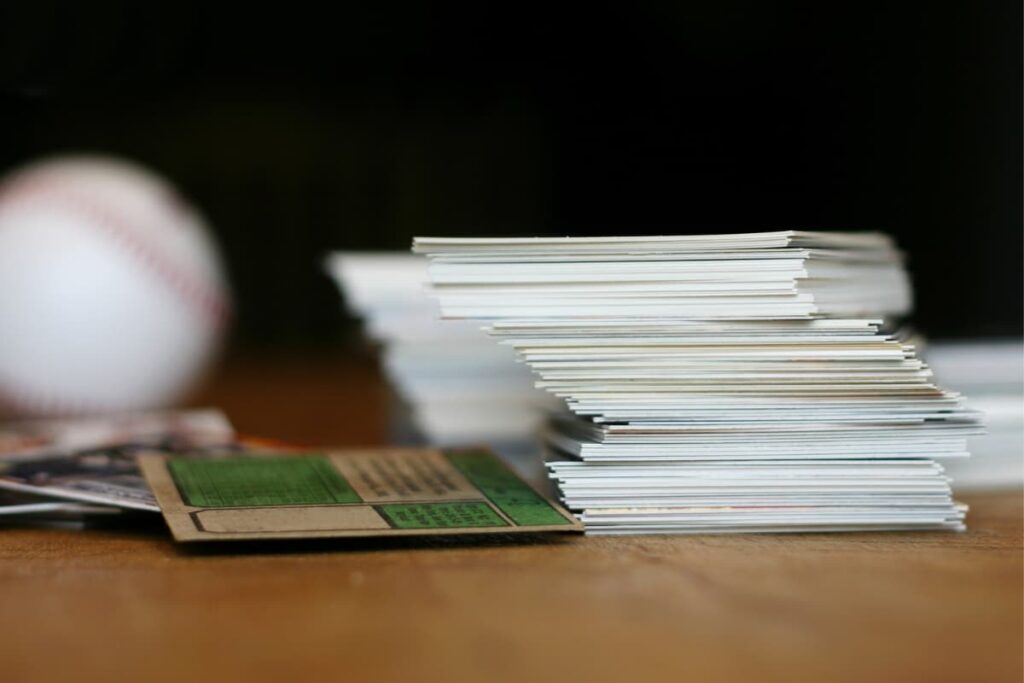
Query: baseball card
[[357, 493]]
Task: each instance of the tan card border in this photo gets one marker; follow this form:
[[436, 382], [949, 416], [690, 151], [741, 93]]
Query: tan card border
[[185, 525]]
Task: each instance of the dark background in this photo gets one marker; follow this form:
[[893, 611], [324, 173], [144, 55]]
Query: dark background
[[298, 130]]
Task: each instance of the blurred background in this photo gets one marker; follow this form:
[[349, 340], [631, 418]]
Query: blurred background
[[300, 131]]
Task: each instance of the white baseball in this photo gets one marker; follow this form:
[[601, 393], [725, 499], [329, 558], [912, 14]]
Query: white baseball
[[112, 294]]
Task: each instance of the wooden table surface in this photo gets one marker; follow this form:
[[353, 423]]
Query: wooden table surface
[[126, 603]]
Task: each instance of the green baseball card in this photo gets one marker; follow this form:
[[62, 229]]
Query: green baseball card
[[380, 492]]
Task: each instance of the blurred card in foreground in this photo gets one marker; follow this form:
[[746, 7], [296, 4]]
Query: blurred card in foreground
[[47, 438], [92, 460], [107, 477], [382, 492], [14, 505]]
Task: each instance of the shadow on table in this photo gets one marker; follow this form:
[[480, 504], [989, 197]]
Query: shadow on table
[[150, 526], [335, 545]]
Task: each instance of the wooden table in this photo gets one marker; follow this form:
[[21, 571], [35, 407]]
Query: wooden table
[[126, 603]]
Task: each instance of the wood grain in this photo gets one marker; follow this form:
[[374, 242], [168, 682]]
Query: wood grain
[[125, 602]]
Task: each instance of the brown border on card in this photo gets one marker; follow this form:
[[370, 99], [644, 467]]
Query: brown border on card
[[182, 521]]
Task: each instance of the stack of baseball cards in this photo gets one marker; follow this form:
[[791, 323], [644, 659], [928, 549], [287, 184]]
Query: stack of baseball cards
[[455, 387], [721, 383]]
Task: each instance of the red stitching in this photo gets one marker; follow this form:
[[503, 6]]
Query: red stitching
[[196, 295]]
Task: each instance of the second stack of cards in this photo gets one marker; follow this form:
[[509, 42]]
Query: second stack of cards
[[721, 383]]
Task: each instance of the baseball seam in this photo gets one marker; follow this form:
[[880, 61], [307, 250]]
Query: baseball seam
[[117, 228]]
